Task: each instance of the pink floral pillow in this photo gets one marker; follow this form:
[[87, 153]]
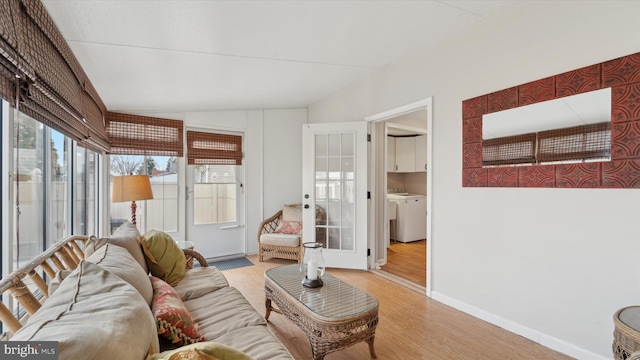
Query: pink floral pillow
[[173, 320], [289, 227]]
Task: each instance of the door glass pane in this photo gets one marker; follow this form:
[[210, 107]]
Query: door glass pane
[[80, 189], [334, 144], [321, 145], [28, 189], [214, 194], [59, 198], [335, 189], [92, 212]]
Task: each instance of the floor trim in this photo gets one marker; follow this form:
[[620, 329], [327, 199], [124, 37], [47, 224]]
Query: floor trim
[[400, 281]]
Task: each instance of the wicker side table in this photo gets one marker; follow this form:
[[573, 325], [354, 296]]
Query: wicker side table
[[626, 335]]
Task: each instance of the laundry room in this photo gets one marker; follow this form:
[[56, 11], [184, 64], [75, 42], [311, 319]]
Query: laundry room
[[406, 168]]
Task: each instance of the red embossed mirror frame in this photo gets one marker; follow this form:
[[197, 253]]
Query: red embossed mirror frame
[[622, 75]]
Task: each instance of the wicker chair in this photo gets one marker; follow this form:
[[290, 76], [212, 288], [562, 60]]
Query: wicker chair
[[283, 246]]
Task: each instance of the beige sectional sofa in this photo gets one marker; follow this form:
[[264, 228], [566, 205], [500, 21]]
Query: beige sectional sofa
[[97, 303]]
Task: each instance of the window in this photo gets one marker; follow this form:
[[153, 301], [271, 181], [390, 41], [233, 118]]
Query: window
[[161, 212], [49, 197], [214, 194]]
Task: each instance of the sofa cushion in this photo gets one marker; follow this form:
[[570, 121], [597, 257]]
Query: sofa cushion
[[56, 280], [257, 342], [222, 311], [277, 239], [292, 213], [94, 315], [173, 320], [200, 281], [164, 257], [209, 348], [126, 236], [118, 261]]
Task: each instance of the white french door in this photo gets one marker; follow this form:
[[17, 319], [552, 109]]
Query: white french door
[[334, 180]]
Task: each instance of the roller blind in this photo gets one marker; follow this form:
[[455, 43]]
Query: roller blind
[[585, 142], [51, 85], [213, 149], [143, 135], [518, 149], [576, 143]]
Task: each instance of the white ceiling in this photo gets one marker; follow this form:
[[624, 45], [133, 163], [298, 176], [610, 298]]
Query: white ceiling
[[178, 56]]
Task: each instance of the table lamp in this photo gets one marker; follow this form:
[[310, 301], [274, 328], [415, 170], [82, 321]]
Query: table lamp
[[131, 188]]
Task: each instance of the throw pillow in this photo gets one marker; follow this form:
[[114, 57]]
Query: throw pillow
[[289, 227], [164, 257], [292, 213], [173, 320], [210, 348]]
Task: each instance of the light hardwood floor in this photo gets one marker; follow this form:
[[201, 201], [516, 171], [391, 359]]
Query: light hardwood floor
[[408, 261], [411, 325]]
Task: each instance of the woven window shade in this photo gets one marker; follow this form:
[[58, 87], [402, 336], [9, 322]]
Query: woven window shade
[[519, 149], [213, 149], [575, 143], [143, 135], [53, 88]]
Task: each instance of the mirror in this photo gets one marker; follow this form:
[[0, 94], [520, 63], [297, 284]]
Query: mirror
[[565, 130], [610, 149], [576, 110]]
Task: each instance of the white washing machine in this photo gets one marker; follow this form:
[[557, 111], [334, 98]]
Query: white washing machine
[[411, 217]]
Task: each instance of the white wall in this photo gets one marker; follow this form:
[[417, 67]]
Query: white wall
[[283, 158], [551, 264], [273, 160]]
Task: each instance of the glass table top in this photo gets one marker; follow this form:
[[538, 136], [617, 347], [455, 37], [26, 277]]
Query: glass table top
[[335, 299], [630, 316]]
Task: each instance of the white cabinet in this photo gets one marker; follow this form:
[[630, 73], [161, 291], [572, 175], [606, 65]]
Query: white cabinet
[[391, 154], [421, 153], [407, 154]]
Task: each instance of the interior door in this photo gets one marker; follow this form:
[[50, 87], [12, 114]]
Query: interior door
[[334, 183]]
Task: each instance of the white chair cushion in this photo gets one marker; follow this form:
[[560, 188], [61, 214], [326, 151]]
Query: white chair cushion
[[277, 239]]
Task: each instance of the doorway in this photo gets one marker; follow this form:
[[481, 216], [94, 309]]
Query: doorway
[[401, 207]]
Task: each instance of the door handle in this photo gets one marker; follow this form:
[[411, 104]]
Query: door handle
[[306, 206]]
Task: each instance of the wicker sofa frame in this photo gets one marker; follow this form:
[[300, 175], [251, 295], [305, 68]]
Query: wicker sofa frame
[[29, 284]]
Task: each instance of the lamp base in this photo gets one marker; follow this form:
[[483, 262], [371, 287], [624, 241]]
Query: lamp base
[[312, 283]]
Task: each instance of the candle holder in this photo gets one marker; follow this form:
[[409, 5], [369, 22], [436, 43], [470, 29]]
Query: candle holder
[[312, 265]]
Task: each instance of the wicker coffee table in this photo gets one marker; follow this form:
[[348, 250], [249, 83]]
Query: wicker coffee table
[[333, 316]]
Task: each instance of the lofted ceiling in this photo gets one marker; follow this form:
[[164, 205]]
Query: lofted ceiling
[[181, 55]]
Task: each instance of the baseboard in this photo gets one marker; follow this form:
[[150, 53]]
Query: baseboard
[[223, 258], [531, 334]]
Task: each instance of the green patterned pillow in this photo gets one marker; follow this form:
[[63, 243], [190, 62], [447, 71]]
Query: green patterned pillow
[[164, 257]]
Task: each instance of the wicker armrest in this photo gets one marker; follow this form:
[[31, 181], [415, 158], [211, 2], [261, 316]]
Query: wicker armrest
[[196, 255], [269, 225]]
